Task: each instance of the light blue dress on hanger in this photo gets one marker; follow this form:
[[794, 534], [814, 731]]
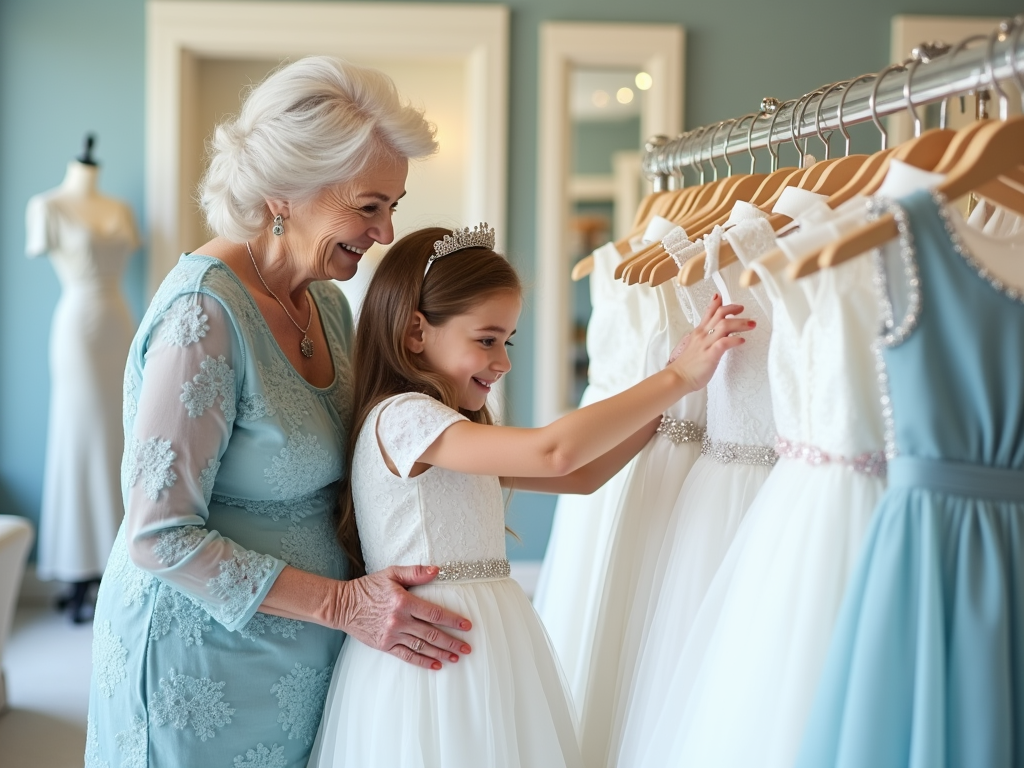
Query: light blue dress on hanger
[[231, 470], [926, 667]]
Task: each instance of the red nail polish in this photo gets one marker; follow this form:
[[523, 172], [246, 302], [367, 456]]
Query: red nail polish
[[436, 665], [464, 625], [716, 297], [466, 649], [453, 658], [752, 324]]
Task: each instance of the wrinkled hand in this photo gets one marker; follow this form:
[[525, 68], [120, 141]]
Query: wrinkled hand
[[698, 353], [378, 611]]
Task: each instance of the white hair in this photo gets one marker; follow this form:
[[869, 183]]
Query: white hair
[[311, 124]]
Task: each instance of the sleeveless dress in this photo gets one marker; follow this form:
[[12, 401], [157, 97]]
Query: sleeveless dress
[[504, 705], [568, 591], [639, 529], [743, 683], [81, 505], [736, 457], [231, 471], [926, 666]]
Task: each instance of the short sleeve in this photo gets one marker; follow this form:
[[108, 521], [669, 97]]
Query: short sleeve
[[40, 237], [409, 424]]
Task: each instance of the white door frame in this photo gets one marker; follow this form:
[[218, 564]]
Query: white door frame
[[654, 48], [179, 34]]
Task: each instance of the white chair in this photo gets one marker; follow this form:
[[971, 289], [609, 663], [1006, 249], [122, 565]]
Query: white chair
[[16, 534]]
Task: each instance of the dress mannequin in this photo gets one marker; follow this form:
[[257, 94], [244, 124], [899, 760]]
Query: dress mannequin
[[89, 238]]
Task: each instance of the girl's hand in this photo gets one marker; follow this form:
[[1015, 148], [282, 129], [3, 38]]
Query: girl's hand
[[697, 355], [378, 611]]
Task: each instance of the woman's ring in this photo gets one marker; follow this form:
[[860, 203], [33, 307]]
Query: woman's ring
[[416, 644], [711, 331]]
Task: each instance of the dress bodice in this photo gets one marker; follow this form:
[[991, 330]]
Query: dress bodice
[[672, 326], [953, 356], [619, 327], [437, 517]]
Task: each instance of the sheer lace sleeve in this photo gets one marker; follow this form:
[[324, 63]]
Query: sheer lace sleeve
[[186, 410], [409, 424]]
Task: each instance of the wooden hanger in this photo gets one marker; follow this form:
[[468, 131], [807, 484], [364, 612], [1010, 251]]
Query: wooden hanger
[[995, 148]]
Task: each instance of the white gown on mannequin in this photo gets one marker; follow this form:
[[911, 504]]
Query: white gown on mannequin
[[737, 455], [637, 534], [568, 588], [89, 339]]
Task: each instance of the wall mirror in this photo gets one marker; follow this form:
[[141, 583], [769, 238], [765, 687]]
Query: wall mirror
[[604, 89], [451, 61]]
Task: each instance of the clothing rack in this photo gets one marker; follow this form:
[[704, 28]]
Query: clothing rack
[[935, 73]]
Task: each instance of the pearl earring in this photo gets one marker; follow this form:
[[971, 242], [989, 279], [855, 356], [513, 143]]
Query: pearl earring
[[278, 225]]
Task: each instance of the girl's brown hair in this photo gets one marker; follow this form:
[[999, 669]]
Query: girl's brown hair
[[382, 364]]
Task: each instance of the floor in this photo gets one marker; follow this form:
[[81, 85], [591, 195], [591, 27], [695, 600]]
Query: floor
[[47, 664]]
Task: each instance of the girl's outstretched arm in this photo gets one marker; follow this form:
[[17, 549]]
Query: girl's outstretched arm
[[585, 435]]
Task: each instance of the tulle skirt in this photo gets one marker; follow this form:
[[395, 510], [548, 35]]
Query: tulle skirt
[[711, 505], [503, 706], [641, 521], [568, 593], [926, 667], [739, 693]]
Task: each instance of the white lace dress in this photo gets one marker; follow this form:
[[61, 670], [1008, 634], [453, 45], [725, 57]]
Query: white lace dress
[[639, 529], [737, 455], [569, 587], [504, 705]]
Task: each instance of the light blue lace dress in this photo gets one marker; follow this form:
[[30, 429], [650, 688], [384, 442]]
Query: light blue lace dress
[[230, 471]]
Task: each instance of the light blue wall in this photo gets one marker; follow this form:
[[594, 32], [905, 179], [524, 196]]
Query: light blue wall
[[68, 66]]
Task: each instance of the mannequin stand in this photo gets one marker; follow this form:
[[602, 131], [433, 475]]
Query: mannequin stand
[[80, 601]]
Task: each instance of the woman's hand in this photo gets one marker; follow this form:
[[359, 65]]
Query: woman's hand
[[378, 611], [697, 355]]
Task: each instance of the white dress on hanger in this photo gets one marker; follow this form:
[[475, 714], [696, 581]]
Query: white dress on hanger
[[637, 535], [740, 690], [737, 455], [505, 704], [568, 588], [89, 339]]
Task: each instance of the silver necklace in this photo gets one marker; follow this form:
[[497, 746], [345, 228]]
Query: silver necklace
[[306, 345]]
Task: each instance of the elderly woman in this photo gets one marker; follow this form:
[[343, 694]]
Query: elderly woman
[[223, 604]]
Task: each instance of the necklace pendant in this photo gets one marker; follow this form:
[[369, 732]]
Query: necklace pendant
[[306, 346]]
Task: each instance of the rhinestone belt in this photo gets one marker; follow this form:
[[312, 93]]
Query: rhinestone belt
[[871, 463], [734, 453], [467, 570], [680, 431]]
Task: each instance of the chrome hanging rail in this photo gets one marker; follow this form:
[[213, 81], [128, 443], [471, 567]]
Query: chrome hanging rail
[[936, 73]]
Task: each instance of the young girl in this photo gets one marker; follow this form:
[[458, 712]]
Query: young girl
[[427, 469]]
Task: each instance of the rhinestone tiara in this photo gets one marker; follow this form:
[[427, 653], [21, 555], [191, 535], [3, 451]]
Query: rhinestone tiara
[[481, 236]]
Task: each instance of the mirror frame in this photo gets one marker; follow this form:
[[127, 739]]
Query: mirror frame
[[179, 34], [654, 48]]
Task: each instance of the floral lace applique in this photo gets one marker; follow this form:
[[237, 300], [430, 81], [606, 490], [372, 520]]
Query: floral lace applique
[[215, 378], [278, 625], [175, 282], [302, 465], [286, 392], [191, 618], [184, 322], [92, 747], [301, 695], [237, 298], [134, 581], [152, 460], [181, 700], [109, 659], [342, 394], [239, 581], [261, 757], [207, 478], [254, 407], [282, 509], [133, 744], [129, 401], [312, 548], [175, 544]]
